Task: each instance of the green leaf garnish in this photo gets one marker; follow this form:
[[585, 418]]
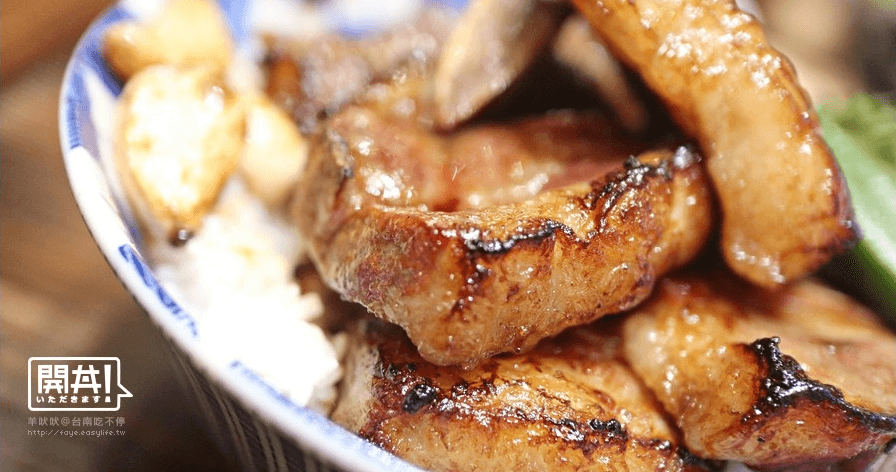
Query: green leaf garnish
[[862, 135]]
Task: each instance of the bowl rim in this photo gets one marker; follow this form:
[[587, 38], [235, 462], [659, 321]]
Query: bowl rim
[[309, 430]]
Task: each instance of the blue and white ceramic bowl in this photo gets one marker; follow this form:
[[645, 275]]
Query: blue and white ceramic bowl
[[246, 414]]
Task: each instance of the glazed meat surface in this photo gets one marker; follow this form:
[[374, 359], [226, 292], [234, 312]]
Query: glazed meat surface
[[770, 379], [568, 405], [314, 78], [489, 239], [784, 202], [494, 42]]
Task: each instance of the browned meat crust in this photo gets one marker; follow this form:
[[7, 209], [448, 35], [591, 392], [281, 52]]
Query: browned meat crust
[[768, 379], [568, 405], [312, 79], [785, 205], [479, 243]]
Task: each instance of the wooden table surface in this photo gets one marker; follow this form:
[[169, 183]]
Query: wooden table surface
[[59, 297]]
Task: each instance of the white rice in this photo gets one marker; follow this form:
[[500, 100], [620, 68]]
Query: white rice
[[236, 277]]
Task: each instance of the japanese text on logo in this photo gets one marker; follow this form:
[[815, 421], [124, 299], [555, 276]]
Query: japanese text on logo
[[75, 384]]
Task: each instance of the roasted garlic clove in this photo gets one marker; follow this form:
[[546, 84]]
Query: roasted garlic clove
[[178, 138], [186, 33], [274, 153]]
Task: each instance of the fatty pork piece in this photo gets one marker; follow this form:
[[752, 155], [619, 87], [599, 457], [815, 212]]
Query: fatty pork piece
[[312, 79], [493, 43], [771, 379], [492, 238], [570, 404], [784, 202]]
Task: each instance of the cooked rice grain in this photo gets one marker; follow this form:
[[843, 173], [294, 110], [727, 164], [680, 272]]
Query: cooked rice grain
[[235, 277]]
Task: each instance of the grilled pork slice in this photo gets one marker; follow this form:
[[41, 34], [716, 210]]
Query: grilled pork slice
[[770, 379], [492, 238], [785, 205], [570, 404], [312, 78], [492, 45]]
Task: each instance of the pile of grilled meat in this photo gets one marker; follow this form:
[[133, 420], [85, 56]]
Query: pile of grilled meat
[[584, 235]]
